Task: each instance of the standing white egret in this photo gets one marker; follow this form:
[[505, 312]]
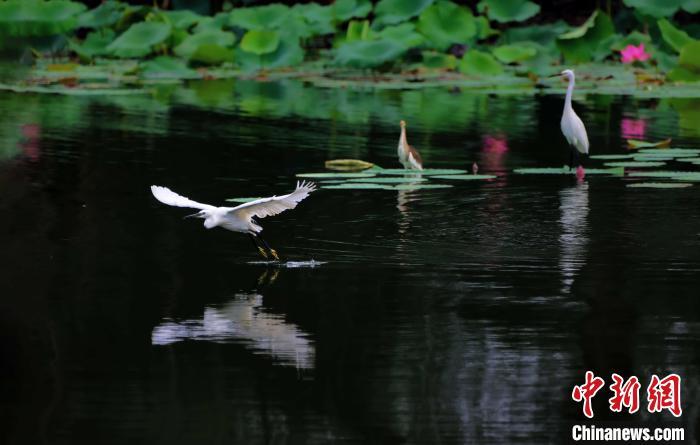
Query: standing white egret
[[239, 218], [408, 156], [571, 125]]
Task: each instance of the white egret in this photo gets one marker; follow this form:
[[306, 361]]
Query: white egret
[[239, 218], [408, 156], [571, 125]]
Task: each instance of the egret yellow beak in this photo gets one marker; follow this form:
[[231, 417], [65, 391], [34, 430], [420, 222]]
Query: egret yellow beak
[[194, 215]]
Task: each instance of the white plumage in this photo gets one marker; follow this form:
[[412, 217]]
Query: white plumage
[[239, 218], [571, 125]]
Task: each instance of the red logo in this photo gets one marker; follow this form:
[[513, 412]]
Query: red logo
[[586, 392], [662, 394], [665, 394], [626, 394]]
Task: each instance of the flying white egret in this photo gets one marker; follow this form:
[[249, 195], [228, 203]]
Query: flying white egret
[[571, 125], [240, 218], [408, 156]]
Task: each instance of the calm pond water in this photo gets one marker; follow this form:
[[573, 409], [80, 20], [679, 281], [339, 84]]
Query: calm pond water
[[456, 315]]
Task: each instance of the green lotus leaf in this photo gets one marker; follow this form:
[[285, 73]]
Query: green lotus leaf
[[688, 63], [139, 39], [477, 63], [508, 10], [545, 34], [192, 43], [357, 30], [288, 53], [347, 9], [581, 44], [656, 8], [368, 53], [435, 60], [659, 185], [390, 180], [611, 157], [483, 28], [464, 177], [675, 37], [326, 175], [358, 186], [95, 44], [444, 23], [166, 67], [260, 41], [514, 53], [107, 14], [259, 17], [636, 164], [317, 19], [667, 174], [389, 12], [618, 42], [211, 54], [424, 172], [182, 19], [218, 22], [618, 171], [404, 34], [22, 18]]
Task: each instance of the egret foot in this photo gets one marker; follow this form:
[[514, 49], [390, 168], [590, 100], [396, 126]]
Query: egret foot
[[263, 253], [272, 252]]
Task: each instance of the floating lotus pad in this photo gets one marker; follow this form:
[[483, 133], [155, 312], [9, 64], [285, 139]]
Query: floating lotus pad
[[611, 157], [633, 143], [675, 152], [464, 177], [373, 186], [653, 158], [691, 160], [426, 172], [693, 176], [636, 164], [388, 180], [358, 186], [348, 164], [566, 171], [659, 185], [335, 175], [241, 200]]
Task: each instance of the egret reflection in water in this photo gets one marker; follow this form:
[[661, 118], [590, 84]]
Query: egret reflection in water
[[574, 232], [244, 320]]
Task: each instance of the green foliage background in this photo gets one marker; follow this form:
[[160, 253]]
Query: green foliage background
[[486, 39]]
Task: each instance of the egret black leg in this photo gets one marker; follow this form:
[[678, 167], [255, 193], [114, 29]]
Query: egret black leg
[[571, 157], [259, 248], [270, 250]]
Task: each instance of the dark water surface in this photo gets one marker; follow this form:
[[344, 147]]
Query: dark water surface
[[459, 315]]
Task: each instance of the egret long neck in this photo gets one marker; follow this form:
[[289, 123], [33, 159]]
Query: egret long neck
[[402, 140], [569, 92]]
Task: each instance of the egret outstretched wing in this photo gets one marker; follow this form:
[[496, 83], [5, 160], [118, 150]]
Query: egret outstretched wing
[[169, 197], [274, 205]]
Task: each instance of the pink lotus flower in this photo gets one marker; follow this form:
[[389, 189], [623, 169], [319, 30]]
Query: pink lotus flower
[[633, 53], [633, 128]]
